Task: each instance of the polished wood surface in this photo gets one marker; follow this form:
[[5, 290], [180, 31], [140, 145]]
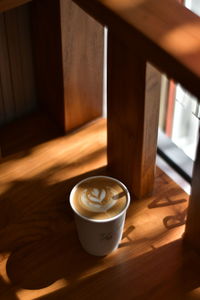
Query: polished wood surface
[[132, 117], [165, 32], [83, 62], [68, 48], [40, 255]]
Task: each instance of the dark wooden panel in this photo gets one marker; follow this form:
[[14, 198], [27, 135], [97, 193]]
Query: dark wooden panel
[[69, 62], [16, 64], [48, 57], [192, 231], [132, 118], [26, 54], [5, 74], [14, 52], [82, 47], [20, 59], [2, 108], [9, 4]]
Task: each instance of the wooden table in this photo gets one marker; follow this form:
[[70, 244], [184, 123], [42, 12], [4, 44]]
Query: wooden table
[[41, 257]]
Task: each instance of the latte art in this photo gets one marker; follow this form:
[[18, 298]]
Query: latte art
[[99, 198]]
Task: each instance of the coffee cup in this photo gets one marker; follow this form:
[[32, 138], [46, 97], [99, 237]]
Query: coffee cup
[[99, 204]]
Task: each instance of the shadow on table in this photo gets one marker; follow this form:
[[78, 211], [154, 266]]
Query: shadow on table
[[163, 273], [38, 230]]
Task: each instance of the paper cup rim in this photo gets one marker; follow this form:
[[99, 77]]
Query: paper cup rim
[[103, 220]]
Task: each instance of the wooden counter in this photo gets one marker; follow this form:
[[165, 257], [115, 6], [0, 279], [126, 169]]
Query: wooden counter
[[40, 255]]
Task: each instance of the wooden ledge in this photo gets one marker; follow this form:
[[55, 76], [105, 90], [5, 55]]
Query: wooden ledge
[[165, 32], [21, 135], [40, 255], [9, 4]]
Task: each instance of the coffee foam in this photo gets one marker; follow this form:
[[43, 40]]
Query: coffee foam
[[99, 198]]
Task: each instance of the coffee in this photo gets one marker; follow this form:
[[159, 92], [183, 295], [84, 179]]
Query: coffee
[[99, 198]]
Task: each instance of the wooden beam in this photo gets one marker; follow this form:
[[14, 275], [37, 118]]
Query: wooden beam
[[48, 57], [9, 4], [132, 117], [166, 33], [68, 48], [192, 231], [82, 58]]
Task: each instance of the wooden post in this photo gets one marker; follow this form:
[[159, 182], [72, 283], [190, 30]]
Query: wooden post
[[192, 230], [68, 48], [132, 118]]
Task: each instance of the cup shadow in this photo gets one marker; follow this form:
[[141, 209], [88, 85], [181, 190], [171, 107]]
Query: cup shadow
[[38, 230]]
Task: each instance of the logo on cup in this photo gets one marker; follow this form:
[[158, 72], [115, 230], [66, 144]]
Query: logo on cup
[[106, 236]]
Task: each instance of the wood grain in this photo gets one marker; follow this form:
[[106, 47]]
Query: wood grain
[[46, 34], [16, 64], [40, 255], [20, 59], [169, 40], [132, 118], [9, 4], [5, 73], [69, 62], [26, 54], [82, 48], [14, 52]]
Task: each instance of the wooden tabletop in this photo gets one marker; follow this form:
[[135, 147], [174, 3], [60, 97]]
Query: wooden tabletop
[[40, 255]]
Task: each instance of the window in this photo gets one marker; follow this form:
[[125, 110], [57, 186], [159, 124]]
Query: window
[[179, 121]]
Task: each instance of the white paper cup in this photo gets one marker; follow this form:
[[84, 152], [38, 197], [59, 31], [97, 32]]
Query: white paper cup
[[100, 237]]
